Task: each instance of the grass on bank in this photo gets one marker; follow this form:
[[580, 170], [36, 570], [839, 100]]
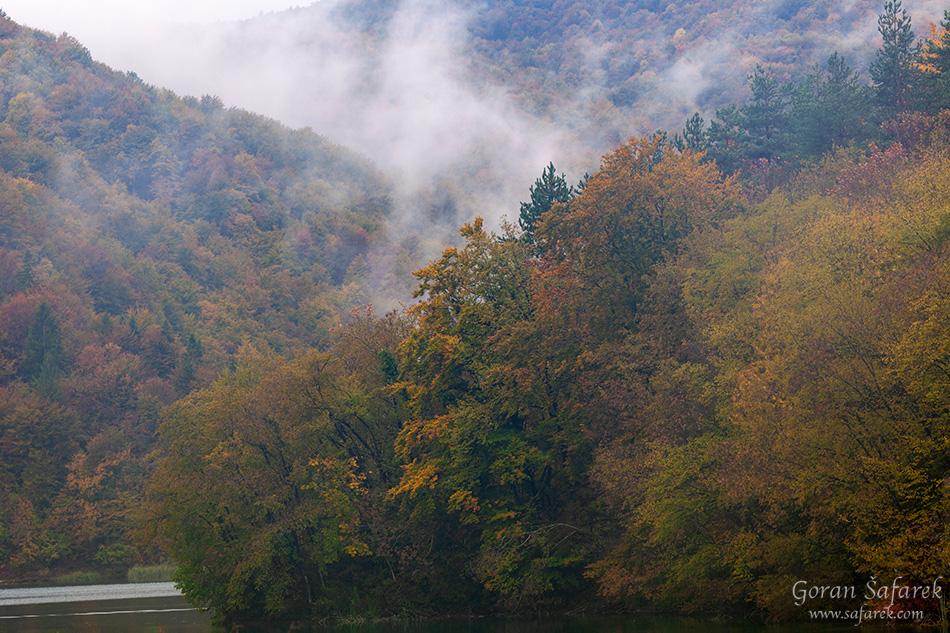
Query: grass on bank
[[152, 573], [79, 578]]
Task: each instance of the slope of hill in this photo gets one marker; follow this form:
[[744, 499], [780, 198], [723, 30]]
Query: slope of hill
[[674, 399], [144, 240], [564, 421], [448, 93], [639, 66]]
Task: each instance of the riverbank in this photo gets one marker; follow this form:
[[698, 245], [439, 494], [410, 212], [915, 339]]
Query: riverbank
[[80, 577]]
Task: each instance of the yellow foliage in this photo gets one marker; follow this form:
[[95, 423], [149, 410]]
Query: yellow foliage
[[937, 39], [416, 477], [463, 501]]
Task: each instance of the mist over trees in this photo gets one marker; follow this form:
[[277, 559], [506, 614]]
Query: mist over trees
[[144, 240], [715, 366], [469, 101]]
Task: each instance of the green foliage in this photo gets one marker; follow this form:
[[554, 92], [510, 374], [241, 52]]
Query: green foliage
[[267, 512], [694, 136], [670, 393], [815, 457], [757, 132], [486, 455], [630, 216], [43, 351], [765, 117], [894, 70], [548, 190], [151, 573], [830, 109], [79, 578], [682, 399], [182, 230], [759, 135]]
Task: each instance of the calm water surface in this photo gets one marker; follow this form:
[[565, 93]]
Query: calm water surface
[[128, 608], [159, 608]]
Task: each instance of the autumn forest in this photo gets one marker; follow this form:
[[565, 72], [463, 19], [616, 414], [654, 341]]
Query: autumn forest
[[716, 365]]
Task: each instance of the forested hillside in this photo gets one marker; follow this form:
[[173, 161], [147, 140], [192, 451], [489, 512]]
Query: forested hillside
[[468, 101], [669, 389], [145, 239], [674, 399], [710, 369], [607, 67]]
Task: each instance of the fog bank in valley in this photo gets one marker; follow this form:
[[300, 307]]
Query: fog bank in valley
[[396, 91], [396, 81]]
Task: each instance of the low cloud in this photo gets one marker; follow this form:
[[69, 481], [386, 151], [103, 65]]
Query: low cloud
[[391, 80], [396, 91]]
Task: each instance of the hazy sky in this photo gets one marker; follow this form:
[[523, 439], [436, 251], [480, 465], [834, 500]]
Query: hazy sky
[[65, 15], [106, 26]]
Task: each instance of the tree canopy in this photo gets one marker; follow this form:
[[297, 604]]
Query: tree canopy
[[716, 367]]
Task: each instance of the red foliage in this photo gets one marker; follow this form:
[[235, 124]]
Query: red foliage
[[873, 177]]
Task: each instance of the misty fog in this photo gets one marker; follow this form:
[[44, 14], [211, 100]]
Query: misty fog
[[395, 82], [400, 97]]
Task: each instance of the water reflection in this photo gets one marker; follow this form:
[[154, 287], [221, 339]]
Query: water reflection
[[158, 607], [127, 608], [86, 593], [587, 624]]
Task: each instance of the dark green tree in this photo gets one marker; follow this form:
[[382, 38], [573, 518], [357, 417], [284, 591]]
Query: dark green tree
[[725, 138], [894, 70], [830, 108], [694, 136], [188, 363], [43, 342], [547, 190], [24, 278], [43, 354], [757, 131], [766, 117]]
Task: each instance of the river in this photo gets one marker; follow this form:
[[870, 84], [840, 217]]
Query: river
[[159, 608], [126, 608]]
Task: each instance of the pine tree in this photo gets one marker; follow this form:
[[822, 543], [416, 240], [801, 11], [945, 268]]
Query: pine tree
[[547, 190], [24, 278], [894, 71], [694, 136], [766, 117], [43, 353], [758, 131], [830, 108]]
